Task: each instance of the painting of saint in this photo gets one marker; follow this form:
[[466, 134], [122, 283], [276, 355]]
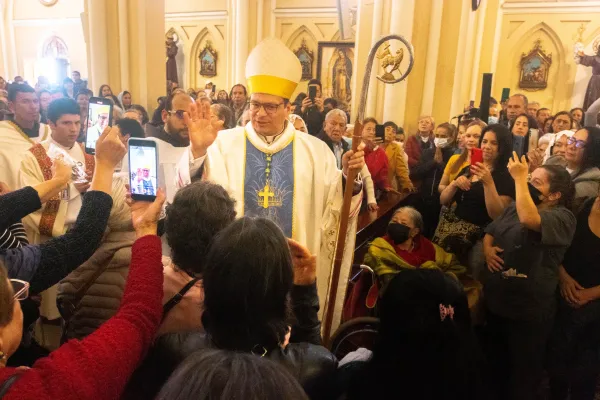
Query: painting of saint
[[535, 68], [342, 77], [208, 61], [335, 69]]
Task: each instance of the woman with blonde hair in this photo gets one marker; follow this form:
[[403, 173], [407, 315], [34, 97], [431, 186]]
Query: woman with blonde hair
[[458, 162]]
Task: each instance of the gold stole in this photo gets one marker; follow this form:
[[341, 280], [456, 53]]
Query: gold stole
[[50, 211]]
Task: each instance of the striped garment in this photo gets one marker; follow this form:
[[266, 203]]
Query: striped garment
[[13, 237]]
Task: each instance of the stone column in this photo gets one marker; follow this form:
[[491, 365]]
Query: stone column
[[375, 35], [97, 44], [241, 39], [435, 30], [402, 17], [126, 47], [147, 53]]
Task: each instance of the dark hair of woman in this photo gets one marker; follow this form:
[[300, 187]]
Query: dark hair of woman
[[300, 98], [370, 120], [142, 110], [551, 120], [224, 375], [561, 182], [558, 114], [575, 109], [591, 151], [465, 153], [530, 126], [248, 277], [504, 139], [157, 115], [6, 298], [420, 349], [102, 87], [189, 240], [451, 129], [392, 124]]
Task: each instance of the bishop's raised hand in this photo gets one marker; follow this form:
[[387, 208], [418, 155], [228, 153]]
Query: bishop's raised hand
[[202, 128]]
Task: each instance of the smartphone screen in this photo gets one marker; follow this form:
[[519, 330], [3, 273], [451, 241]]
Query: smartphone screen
[[519, 144], [143, 169], [471, 104], [380, 132], [505, 94], [312, 92], [476, 156], [99, 117]]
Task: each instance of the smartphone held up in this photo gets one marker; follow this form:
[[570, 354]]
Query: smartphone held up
[[143, 169], [99, 117]]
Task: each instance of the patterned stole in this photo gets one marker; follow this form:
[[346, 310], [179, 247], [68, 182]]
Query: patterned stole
[[269, 186], [52, 206]]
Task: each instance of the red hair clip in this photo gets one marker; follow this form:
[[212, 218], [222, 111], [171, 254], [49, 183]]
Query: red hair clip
[[446, 312]]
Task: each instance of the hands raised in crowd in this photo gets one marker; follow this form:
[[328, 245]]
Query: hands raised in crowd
[[202, 129], [307, 103], [518, 168], [145, 214], [305, 264]]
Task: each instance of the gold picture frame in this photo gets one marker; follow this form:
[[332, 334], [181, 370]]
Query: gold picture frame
[[535, 68]]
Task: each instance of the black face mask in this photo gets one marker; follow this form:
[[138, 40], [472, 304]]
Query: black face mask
[[535, 194], [398, 233]]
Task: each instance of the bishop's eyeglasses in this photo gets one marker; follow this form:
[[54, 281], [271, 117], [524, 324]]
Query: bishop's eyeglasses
[[270, 108]]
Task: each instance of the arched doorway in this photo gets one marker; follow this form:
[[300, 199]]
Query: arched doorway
[[53, 62]]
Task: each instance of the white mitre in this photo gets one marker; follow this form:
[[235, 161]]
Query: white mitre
[[272, 68]]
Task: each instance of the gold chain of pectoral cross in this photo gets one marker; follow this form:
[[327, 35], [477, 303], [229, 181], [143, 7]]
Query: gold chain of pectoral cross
[[267, 192]]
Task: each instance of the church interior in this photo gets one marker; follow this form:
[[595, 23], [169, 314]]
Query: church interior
[[300, 199], [119, 42]]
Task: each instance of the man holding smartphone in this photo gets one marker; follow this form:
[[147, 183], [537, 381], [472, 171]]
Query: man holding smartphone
[[313, 108]]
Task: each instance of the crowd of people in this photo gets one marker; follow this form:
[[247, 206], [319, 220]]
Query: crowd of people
[[214, 290]]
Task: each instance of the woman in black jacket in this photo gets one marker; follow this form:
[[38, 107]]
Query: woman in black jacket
[[257, 285]]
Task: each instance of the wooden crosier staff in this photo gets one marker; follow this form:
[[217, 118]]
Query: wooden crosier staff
[[356, 139]]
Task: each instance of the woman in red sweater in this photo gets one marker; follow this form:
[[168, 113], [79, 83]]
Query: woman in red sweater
[[375, 156], [99, 366]]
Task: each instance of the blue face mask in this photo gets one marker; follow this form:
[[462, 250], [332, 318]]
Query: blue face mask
[[492, 120]]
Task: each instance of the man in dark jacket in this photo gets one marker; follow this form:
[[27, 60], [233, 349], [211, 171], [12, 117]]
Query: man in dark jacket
[[313, 110], [429, 171], [333, 134]]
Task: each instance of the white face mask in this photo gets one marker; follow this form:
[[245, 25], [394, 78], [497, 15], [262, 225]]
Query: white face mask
[[492, 120], [440, 142], [425, 139]]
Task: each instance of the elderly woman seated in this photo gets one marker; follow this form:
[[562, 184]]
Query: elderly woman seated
[[404, 247]]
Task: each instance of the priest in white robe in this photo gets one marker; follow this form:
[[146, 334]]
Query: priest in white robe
[[275, 171], [19, 134]]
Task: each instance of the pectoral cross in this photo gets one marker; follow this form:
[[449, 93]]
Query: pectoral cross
[[266, 194]]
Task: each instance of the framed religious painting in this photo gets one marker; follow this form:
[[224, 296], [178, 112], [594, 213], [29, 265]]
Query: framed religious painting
[[335, 69], [208, 60], [306, 57], [535, 67]]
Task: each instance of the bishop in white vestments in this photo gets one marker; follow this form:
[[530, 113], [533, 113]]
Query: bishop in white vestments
[[276, 172]]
